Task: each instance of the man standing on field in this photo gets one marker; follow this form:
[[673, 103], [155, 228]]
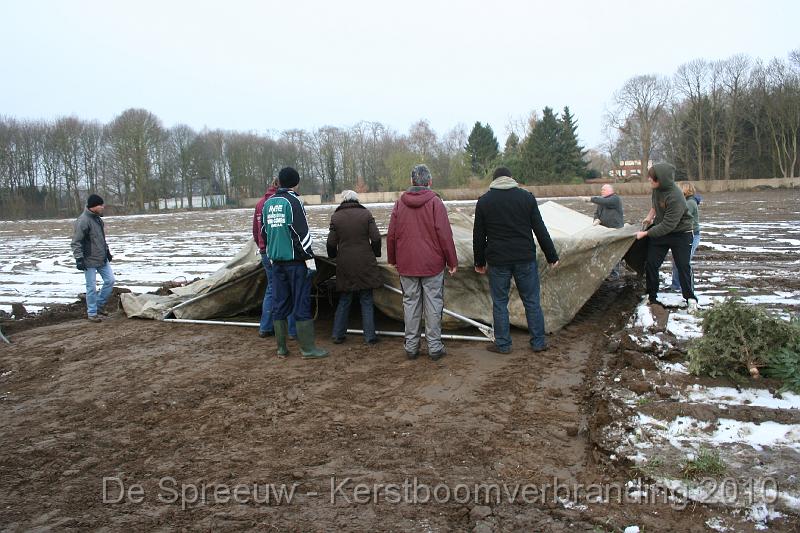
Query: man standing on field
[[503, 246], [92, 256], [420, 245]]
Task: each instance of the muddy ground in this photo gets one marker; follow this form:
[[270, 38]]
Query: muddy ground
[[142, 401], [160, 405]]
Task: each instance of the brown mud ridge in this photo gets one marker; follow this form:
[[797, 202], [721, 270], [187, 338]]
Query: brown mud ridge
[[20, 320], [148, 402]]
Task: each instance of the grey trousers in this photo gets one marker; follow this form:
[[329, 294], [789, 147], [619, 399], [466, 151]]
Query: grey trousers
[[423, 295]]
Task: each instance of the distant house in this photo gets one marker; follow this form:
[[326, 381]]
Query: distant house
[[628, 169]]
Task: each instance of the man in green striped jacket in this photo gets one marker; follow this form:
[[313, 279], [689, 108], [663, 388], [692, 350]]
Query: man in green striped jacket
[[288, 241]]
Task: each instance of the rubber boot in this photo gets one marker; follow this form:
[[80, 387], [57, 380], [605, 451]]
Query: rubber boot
[[305, 335], [281, 330]]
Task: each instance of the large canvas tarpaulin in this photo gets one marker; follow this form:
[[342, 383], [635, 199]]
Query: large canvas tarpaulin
[[587, 254]]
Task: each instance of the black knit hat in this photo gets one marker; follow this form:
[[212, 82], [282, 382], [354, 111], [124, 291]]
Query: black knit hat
[[288, 177], [93, 201]]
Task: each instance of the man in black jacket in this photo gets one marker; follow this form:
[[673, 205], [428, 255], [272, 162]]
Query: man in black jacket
[[502, 239]]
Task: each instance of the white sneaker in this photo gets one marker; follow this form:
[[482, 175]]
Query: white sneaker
[[691, 305]]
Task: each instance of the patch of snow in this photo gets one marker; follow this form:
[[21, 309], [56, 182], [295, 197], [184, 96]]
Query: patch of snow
[[778, 297], [644, 317], [684, 326], [761, 515], [789, 500], [754, 397], [674, 368], [569, 504], [750, 249], [685, 429], [717, 524]]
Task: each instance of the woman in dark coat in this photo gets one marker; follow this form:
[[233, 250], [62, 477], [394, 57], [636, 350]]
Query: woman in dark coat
[[355, 242]]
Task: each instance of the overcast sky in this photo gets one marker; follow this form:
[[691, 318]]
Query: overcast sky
[[273, 65]]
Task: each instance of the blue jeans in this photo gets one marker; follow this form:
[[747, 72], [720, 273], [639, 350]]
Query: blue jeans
[[291, 292], [343, 313], [676, 283], [93, 302], [265, 325], [526, 276]]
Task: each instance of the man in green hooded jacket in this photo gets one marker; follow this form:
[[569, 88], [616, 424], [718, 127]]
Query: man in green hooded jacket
[[669, 227]]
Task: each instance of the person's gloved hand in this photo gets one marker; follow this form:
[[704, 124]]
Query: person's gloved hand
[[79, 264], [109, 257]]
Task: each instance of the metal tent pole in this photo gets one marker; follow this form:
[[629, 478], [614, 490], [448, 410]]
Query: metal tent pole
[[213, 322], [443, 336], [486, 330]]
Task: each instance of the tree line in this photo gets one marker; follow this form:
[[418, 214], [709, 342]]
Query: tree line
[[725, 119], [47, 167], [735, 118]]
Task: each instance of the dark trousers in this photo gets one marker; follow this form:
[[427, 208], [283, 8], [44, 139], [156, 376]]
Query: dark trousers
[[657, 248], [291, 294], [343, 313], [526, 276]]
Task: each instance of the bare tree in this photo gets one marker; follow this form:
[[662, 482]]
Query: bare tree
[[521, 126], [182, 137], [327, 161], [67, 135], [734, 71], [133, 138], [691, 81], [638, 106], [783, 114], [91, 139], [422, 140]]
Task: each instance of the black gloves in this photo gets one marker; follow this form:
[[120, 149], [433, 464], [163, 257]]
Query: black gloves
[[109, 256], [79, 264]]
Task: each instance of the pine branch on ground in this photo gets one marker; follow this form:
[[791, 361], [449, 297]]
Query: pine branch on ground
[[739, 339]]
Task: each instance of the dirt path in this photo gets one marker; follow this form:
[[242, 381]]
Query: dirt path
[[147, 402]]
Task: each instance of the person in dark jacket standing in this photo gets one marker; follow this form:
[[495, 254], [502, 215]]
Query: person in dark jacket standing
[[92, 255], [355, 242], [420, 245], [669, 228], [502, 239], [266, 327], [609, 212], [288, 241]]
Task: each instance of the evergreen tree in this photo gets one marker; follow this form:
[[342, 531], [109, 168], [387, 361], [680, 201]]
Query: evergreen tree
[[512, 144], [511, 157], [571, 163], [540, 150], [482, 148]]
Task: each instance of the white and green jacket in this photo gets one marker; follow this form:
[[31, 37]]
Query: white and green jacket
[[285, 228]]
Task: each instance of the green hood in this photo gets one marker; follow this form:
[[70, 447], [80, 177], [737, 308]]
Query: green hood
[[672, 215], [666, 176]]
